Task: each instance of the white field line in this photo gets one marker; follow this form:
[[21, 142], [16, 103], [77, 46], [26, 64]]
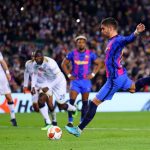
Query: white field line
[[123, 129], [97, 129]]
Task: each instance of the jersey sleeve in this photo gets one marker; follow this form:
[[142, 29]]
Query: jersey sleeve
[[127, 39], [1, 57], [53, 66], [93, 56], [69, 56], [26, 76], [34, 76]]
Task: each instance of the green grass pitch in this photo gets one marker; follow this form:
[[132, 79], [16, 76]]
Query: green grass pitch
[[108, 131]]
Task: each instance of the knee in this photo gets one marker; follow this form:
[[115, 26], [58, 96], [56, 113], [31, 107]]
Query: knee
[[36, 107], [51, 108], [96, 101], [61, 106], [41, 100], [132, 89], [9, 98]]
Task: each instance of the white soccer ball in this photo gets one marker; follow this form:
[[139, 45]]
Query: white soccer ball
[[54, 133]]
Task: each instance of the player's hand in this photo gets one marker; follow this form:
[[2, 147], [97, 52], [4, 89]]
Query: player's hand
[[8, 77], [25, 89], [33, 91], [45, 89], [72, 77], [140, 28], [89, 76]]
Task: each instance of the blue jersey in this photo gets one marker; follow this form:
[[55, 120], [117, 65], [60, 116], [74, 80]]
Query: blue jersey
[[81, 62], [114, 54]]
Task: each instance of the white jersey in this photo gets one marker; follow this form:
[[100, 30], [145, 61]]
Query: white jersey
[[28, 72], [4, 85], [1, 68], [48, 74], [48, 71]]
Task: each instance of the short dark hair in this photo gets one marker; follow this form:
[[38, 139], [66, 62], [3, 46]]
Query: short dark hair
[[38, 53], [110, 21]]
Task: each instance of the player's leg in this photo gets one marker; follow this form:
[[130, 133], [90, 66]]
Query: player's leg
[[59, 90], [73, 96], [51, 109], [105, 93], [85, 90], [35, 107], [44, 110], [141, 83], [35, 101], [84, 108], [128, 85], [74, 90], [5, 90], [11, 108]]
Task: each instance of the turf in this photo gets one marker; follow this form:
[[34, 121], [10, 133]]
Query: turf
[[108, 131]]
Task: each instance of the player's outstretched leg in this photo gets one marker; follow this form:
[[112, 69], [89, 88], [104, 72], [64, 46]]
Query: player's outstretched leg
[[141, 83], [68, 107], [87, 119], [12, 109], [84, 109]]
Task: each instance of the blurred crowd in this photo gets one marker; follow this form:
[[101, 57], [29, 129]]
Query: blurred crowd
[[51, 25]]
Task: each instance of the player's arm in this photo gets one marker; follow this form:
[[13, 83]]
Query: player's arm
[[64, 66], [26, 79], [33, 80], [5, 67], [139, 29], [96, 68], [128, 39]]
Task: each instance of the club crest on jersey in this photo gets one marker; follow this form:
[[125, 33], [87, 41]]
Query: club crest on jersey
[[86, 56], [41, 69]]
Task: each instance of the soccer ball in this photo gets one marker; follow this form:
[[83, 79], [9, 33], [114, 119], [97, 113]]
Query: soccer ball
[[54, 133]]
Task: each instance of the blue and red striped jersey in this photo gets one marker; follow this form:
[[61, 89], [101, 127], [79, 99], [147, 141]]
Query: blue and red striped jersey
[[81, 62], [114, 54]]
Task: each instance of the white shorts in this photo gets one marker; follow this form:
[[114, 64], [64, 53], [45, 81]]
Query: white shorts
[[58, 88], [4, 85]]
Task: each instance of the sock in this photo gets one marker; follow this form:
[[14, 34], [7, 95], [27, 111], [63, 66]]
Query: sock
[[44, 112], [12, 109], [71, 107], [70, 118], [89, 116], [141, 83], [84, 109], [53, 115]]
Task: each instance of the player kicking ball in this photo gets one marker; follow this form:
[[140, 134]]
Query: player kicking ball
[[117, 77]]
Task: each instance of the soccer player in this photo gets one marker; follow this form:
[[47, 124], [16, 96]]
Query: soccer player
[[49, 78], [116, 74], [5, 88], [81, 60], [28, 74]]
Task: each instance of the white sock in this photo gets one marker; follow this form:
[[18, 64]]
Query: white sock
[[71, 107], [12, 110], [44, 112], [53, 115]]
